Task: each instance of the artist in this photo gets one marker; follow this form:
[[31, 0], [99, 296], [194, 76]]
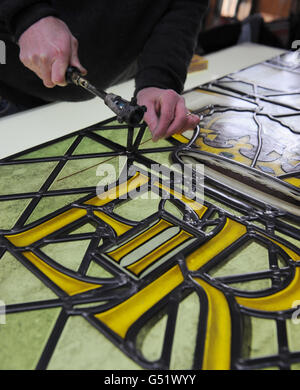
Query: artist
[[111, 40]]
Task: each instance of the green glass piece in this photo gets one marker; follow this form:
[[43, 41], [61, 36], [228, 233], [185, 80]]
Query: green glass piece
[[86, 228], [293, 332], [138, 208], [151, 337], [96, 271], [260, 337], [24, 336], [185, 333], [83, 347], [173, 210], [281, 262], [89, 146], [149, 246], [287, 238], [118, 136], [48, 205], [147, 143], [68, 254], [19, 285], [89, 305], [89, 172], [251, 257], [23, 178], [11, 211], [55, 150], [253, 285]]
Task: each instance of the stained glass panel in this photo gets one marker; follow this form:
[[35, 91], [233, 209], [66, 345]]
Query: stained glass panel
[[111, 260]]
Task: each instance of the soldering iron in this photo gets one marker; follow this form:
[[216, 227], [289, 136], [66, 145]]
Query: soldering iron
[[128, 112]]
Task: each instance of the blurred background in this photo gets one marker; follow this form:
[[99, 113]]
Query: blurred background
[[269, 22]]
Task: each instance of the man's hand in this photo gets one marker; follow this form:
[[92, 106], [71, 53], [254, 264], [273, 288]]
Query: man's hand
[[166, 112], [48, 48]]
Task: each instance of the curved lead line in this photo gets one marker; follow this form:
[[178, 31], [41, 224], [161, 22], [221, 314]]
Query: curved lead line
[[228, 235], [282, 300], [259, 127], [194, 137], [35, 234], [259, 140], [119, 227], [68, 284]]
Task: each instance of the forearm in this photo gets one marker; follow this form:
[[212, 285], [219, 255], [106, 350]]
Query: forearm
[[18, 15], [167, 53]]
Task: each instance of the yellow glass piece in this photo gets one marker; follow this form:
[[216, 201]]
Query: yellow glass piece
[[114, 193], [234, 150], [119, 227], [157, 253], [30, 236], [180, 138], [68, 284], [204, 91], [283, 300], [295, 181], [230, 233], [159, 227], [237, 145], [120, 318], [217, 348], [199, 208]]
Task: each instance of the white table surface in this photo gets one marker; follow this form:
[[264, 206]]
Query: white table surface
[[33, 127]]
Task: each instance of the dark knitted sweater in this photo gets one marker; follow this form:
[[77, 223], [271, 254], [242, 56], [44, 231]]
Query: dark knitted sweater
[[112, 34]]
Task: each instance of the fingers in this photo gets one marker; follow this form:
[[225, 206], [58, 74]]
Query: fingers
[[151, 117], [166, 112], [180, 119], [52, 68], [191, 121], [44, 72], [61, 63], [174, 117], [58, 71], [48, 48], [167, 107]]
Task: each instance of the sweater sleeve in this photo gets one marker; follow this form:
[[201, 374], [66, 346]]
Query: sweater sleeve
[[166, 56], [18, 15]]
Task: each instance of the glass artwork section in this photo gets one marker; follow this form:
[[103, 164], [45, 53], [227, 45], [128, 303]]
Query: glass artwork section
[[117, 253]]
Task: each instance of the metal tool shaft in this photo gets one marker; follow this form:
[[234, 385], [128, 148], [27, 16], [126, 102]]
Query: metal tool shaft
[[74, 77], [129, 112]]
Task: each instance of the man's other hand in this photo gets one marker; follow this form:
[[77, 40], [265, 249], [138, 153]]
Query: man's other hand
[[48, 48], [166, 112]]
